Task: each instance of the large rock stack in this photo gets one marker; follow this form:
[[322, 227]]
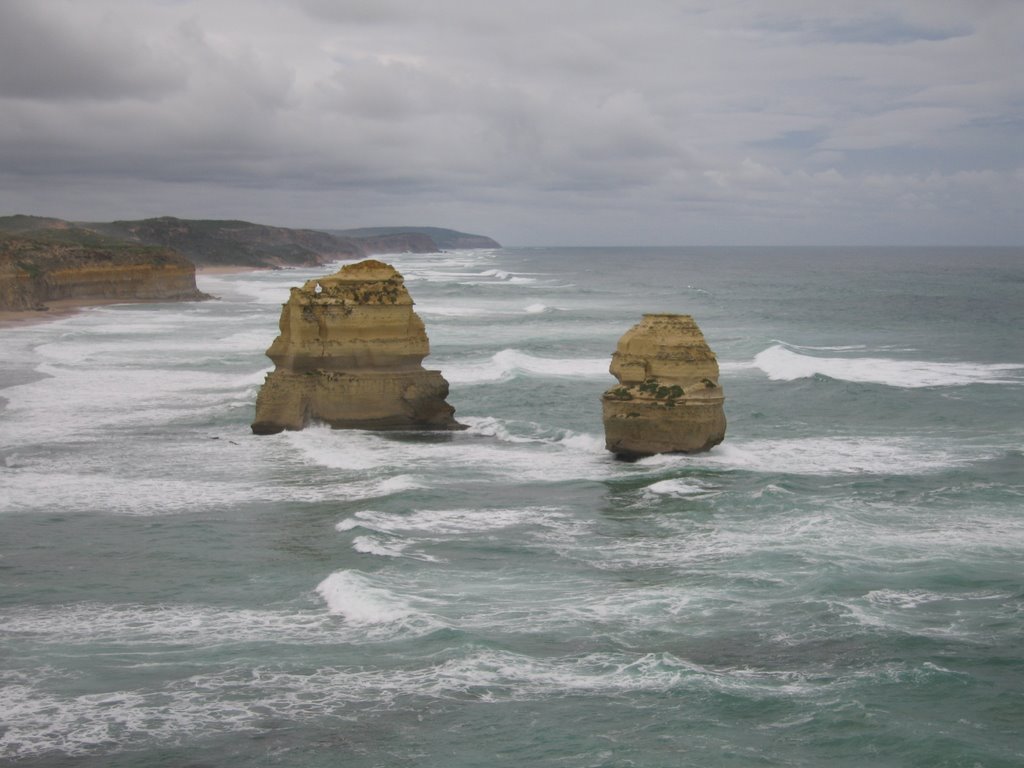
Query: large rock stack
[[668, 399], [350, 354]]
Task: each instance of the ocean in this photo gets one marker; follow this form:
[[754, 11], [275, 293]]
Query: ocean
[[840, 583]]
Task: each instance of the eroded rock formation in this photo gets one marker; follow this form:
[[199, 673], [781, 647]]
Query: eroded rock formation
[[668, 399], [350, 354], [35, 271]]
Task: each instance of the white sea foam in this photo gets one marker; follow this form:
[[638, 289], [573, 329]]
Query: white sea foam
[[366, 603], [498, 273], [449, 522], [479, 453], [236, 699], [454, 311], [391, 546], [827, 456], [509, 363], [834, 348], [167, 624], [783, 364], [351, 595], [31, 488], [736, 366], [78, 400], [921, 612], [675, 488]]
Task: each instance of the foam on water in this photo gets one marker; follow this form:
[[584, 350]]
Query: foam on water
[[829, 456], [454, 522], [675, 488], [454, 311], [391, 546], [795, 580], [143, 626], [241, 698], [379, 610], [509, 363], [783, 364], [924, 613], [74, 400], [486, 450]]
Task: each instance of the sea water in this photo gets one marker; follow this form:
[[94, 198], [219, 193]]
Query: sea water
[[838, 584]]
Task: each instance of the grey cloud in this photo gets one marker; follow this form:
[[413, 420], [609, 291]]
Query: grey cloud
[[671, 120], [44, 55]]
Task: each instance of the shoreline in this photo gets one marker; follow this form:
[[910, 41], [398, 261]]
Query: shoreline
[[230, 269], [55, 310], [61, 308]]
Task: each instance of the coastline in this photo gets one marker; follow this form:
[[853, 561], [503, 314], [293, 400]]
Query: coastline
[[61, 308], [56, 309], [230, 269]]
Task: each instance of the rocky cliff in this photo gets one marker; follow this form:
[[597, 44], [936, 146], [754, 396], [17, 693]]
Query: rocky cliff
[[668, 399], [443, 238], [242, 243], [350, 354], [217, 242], [80, 266]]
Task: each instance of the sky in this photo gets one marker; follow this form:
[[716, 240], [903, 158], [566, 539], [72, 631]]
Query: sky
[[537, 122]]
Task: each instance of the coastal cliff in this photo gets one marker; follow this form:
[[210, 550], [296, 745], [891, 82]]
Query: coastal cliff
[[79, 266], [443, 238], [668, 399], [215, 242], [350, 354], [242, 243]]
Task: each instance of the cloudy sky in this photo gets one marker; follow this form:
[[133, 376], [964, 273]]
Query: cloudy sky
[[570, 122]]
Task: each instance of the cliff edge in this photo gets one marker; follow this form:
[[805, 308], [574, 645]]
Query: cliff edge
[[76, 265], [668, 399], [350, 354]]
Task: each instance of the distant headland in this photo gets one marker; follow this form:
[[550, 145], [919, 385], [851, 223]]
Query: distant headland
[[50, 263]]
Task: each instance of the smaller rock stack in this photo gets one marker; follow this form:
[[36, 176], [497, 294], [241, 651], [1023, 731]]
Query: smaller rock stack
[[350, 354], [668, 399]]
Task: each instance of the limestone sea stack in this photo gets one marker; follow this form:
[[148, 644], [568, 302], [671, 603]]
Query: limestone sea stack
[[668, 399], [350, 354]]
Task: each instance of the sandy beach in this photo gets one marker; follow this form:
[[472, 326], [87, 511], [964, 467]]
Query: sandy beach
[[54, 310]]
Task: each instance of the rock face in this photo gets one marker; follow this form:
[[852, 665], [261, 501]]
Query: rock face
[[350, 354], [668, 399], [34, 271], [441, 237], [244, 243]]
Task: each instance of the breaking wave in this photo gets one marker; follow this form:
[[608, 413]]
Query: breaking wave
[[782, 363], [509, 363]]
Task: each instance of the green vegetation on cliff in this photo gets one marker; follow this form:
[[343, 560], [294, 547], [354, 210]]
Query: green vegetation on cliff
[[444, 238], [243, 243]]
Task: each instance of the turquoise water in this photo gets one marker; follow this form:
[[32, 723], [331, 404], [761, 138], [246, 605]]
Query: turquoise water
[[838, 584]]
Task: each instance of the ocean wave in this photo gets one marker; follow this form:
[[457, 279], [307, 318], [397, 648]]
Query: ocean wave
[[509, 363], [242, 698], [581, 442], [675, 488], [372, 605], [920, 612], [827, 456], [89, 623], [391, 546], [781, 363], [540, 455], [449, 522]]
